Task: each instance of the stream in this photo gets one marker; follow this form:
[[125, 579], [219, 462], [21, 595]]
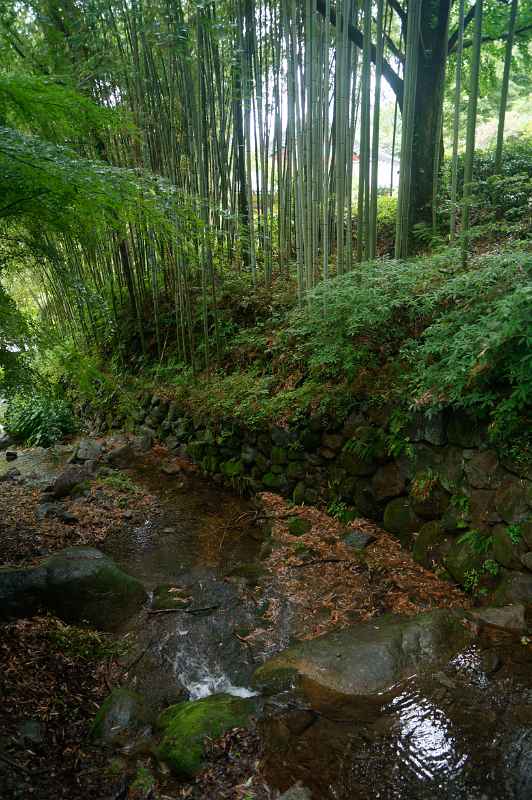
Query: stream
[[463, 732]]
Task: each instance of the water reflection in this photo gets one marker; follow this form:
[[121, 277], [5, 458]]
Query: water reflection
[[425, 743]]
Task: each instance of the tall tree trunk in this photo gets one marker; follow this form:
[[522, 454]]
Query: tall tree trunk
[[429, 96]]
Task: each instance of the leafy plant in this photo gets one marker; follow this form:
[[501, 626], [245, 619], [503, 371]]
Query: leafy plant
[[480, 542], [515, 533], [39, 419]]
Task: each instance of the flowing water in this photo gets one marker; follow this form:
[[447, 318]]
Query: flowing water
[[462, 732]]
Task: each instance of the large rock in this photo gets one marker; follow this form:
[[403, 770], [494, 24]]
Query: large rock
[[515, 587], [401, 519], [365, 659], [463, 561], [69, 479], [83, 584], [505, 550], [431, 545], [21, 591], [185, 727], [513, 499], [388, 482], [120, 716], [87, 450]]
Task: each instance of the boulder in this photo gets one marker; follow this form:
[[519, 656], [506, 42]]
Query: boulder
[[431, 545], [401, 519], [511, 618], [427, 428], [87, 450], [462, 559], [464, 431], [84, 585], [515, 587], [514, 499], [121, 456], [21, 591], [357, 466], [5, 441], [505, 550], [365, 659], [388, 482], [69, 479], [120, 716], [185, 726], [482, 470], [428, 498], [358, 539]]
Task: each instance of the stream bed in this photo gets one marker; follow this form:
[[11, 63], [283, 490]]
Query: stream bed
[[464, 731]]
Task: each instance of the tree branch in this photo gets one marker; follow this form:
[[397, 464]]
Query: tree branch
[[355, 36], [453, 39], [399, 10], [501, 38]]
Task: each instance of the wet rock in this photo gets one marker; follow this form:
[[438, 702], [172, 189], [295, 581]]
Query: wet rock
[[11, 455], [514, 588], [68, 480], [431, 545], [400, 519], [506, 551], [83, 584], [462, 559], [514, 499], [296, 792], [510, 618], [120, 717], [170, 597], [45, 510], [10, 475], [185, 726], [368, 658], [388, 482], [21, 591]]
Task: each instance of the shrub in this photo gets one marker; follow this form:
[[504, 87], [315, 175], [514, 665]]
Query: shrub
[[38, 419]]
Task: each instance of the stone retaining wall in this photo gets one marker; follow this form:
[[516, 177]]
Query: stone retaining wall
[[462, 507]]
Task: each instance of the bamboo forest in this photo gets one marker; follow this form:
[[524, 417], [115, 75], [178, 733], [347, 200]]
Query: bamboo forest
[[266, 399]]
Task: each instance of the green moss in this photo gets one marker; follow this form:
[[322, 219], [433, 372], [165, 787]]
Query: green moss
[[297, 526], [186, 725], [272, 481]]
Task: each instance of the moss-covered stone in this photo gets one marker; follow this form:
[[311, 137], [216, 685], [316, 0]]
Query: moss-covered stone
[[232, 468], [514, 587], [273, 480], [507, 551], [513, 499], [185, 727], [431, 544], [462, 559], [297, 526], [365, 659], [400, 519], [295, 471], [427, 496], [82, 584], [121, 715], [357, 466]]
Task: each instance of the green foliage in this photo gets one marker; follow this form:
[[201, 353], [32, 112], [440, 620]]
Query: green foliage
[[39, 419], [121, 482], [82, 643], [481, 543], [515, 533]]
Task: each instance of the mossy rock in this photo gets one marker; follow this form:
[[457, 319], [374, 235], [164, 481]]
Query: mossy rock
[[295, 470], [169, 597], [505, 551], [121, 715], [279, 455], [298, 494], [514, 587], [297, 526], [401, 519], [232, 468], [462, 560], [185, 727], [84, 585], [273, 481], [431, 544]]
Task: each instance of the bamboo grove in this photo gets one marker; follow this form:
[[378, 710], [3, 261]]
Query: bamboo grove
[[240, 123]]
